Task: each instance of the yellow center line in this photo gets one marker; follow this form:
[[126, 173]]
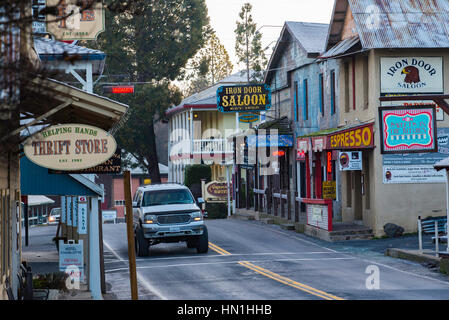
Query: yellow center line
[[277, 277]]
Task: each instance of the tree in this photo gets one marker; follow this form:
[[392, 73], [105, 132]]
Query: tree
[[209, 65], [248, 45], [148, 43]]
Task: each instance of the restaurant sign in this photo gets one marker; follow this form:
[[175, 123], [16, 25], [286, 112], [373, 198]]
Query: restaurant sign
[[216, 191], [244, 98], [406, 130], [76, 20], [70, 147]]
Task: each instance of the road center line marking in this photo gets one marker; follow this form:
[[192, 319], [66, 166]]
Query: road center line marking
[[279, 278]]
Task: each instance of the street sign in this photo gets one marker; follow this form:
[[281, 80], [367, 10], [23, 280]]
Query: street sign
[[244, 98]]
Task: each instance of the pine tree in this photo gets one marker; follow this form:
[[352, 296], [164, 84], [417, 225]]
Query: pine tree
[[248, 45]]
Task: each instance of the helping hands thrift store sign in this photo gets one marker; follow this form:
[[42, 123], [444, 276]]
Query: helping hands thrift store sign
[[70, 147], [405, 130]]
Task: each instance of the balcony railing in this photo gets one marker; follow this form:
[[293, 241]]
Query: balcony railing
[[212, 145]]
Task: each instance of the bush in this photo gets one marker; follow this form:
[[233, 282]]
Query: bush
[[217, 210], [193, 175], [56, 280]]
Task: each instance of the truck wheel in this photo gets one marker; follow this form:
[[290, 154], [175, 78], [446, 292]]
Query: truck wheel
[[142, 244], [192, 243], [203, 242]]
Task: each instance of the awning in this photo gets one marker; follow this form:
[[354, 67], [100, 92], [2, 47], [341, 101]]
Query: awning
[[50, 102], [345, 47], [39, 200]]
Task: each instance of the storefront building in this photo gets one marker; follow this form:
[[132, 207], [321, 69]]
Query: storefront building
[[391, 56]]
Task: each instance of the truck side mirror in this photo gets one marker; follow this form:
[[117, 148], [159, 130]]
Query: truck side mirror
[[200, 200]]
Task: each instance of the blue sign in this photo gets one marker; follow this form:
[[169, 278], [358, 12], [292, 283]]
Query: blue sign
[[283, 140]]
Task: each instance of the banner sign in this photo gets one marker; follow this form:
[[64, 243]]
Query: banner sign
[[76, 20], [244, 98], [350, 161], [70, 147], [411, 75], [413, 174], [68, 201], [354, 138], [63, 217], [82, 215], [405, 130]]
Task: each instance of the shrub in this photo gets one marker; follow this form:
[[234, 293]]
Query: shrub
[[56, 280], [217, 210], [193, 175]]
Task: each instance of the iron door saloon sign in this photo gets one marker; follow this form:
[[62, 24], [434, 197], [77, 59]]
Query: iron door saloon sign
[[244, 98], [406, 130], [70, 147]]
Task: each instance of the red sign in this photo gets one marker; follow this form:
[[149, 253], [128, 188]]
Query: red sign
[[118, 89], [354, 138]]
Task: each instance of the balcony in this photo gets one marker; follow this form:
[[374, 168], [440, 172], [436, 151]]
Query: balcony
[[212, 145]]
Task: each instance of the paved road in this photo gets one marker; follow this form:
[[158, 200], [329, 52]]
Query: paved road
[[252, 260]]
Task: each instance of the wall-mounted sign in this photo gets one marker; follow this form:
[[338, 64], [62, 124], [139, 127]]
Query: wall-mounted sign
[[70, 147], [350, 161], [413, 174], [82, 215], [216, 191], [39, 25], [329, 190], [248, 117], [411, 75], [74, 22], [354, 138], [405, 130], [282, 140], [244, 98]]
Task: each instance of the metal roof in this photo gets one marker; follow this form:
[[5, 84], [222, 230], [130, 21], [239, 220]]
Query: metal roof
[[394, 24], [49, 49], [341, 48]]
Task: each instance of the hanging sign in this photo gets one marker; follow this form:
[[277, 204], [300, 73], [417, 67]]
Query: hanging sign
[[70, 147], [248, 117], [405, 130], [76, 20], [82, 215], [244, 98], [69, 210]]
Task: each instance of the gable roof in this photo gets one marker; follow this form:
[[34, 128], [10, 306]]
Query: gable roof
[[393, 24], [311, 37]]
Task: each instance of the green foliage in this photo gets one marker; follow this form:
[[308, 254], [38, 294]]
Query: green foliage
[[218, 210], [148, 43], [56, 280], [195, 172], [248, 44]]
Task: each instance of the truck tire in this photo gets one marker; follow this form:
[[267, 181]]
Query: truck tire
[[192, 243], [142, 244], [203, 242]]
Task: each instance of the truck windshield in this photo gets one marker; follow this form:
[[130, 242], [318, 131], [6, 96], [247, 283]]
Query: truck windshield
[[161, 197]]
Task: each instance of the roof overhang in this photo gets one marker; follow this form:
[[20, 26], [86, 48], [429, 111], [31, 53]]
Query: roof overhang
[[197, 107], [50, 102]]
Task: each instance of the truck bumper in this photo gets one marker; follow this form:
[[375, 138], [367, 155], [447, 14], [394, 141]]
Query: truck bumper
[[155, 231]]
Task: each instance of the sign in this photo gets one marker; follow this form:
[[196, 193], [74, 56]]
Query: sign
[[109, 215], [404, 130], [118, 89], [63, 216], [112, 165], [317, 216], [216, 191], [411, 75], [244, 98], [75, 216], [82, 215], [69, 210], [282, 140], [69, 147], [350, 161], [413, 174], [329, 190], [39, 25], [353, 138], [248, 117], [74, 22], [71, 258]]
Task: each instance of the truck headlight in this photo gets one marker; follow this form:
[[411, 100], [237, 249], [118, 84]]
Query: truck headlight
[[150, 219], [197, 216]]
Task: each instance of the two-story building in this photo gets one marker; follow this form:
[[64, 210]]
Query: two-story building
[[386, 49]]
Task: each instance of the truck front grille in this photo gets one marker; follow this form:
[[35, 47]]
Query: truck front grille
[[173, 218]]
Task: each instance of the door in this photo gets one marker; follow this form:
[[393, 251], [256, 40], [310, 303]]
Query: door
[[358, 201]]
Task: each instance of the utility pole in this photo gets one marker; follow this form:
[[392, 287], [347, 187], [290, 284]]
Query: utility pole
[[130, 234]]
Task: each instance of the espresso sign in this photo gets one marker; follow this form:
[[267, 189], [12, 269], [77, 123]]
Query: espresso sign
[[70, 147], [244, 98]]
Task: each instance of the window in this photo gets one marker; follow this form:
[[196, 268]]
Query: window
[[321, 92], [296, 102], [119, 202], [164, 197], [306, 100], [346, 84], [332, 92]]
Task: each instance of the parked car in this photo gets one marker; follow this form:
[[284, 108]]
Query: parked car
[[168, 213], [54, 216]]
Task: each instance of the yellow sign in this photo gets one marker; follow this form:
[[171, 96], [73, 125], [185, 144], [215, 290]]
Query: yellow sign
[[329, 190], [76, 20], [147, 181]]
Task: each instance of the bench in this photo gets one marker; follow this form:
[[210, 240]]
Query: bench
[[428, 227]]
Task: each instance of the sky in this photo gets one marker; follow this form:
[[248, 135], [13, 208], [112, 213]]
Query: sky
[[266, 13]]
